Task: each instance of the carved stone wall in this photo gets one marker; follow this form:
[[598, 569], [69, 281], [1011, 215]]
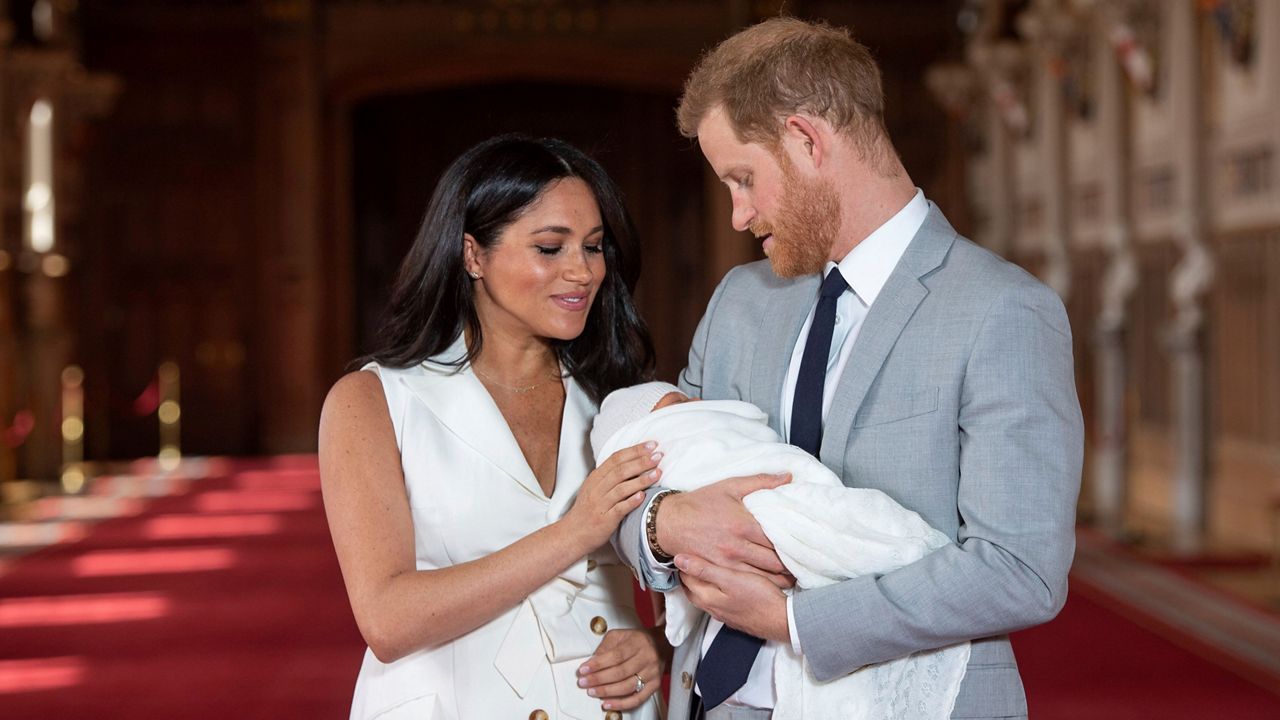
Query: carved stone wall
[[1174, 218]]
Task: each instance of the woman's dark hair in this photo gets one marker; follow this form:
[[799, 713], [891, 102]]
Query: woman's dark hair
[[481, 193]]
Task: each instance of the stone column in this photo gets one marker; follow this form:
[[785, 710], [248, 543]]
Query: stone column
[[998, 64], [1120, 279], [1192, 277], [1045, 27]]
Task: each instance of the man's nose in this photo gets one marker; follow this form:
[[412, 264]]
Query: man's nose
[[743, 214]]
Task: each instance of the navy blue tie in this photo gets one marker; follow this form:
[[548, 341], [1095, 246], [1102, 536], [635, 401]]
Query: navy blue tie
[[728, 661], [806, 405]]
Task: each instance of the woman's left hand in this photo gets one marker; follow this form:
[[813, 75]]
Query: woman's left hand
[[611, 673]]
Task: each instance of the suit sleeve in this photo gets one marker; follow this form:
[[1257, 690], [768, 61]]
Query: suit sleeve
[[1021, 447], [628, 538]]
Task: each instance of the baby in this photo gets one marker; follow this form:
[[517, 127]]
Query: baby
[[823, 531]]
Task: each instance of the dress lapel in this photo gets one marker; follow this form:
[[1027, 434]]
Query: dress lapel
[[574, 460], [885, 320], [779, 333], [458, 400]]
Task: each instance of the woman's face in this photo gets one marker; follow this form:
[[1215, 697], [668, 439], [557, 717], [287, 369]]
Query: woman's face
[[541, 276]]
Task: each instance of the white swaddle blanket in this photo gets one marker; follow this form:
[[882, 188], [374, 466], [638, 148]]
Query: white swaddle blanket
[[824, 532]]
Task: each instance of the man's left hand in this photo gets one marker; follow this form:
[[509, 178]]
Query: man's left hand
[[743, 600]]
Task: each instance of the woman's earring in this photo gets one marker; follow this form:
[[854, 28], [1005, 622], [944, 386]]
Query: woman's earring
[[474, 275]]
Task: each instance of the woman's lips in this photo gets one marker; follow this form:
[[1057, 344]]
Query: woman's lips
[[571, 301]]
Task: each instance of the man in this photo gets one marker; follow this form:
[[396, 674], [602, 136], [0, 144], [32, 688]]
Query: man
[[908, 359]]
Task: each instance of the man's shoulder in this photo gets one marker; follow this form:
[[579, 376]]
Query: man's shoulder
[[973, 270], [754, 284], [755, 276]]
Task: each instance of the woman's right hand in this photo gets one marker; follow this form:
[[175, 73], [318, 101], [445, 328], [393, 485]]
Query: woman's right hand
[[612, 490]]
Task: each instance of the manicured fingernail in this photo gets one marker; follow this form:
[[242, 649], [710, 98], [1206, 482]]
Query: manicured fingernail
[[682, 562], [582, 682], [653, 473], [592, 692], [650, 445], [584, 669], [656, 456], [607, 706]]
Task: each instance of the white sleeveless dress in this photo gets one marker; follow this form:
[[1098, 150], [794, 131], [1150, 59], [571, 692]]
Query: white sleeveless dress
[[472, 493]]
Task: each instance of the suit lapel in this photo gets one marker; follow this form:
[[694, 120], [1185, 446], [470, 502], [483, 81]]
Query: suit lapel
[[458, 400], [885, 320], [779, 333]]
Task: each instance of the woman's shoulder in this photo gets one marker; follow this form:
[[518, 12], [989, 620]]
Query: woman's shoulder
[[356, 394]]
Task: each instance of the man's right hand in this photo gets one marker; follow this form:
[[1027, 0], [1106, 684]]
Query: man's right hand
[[712, 522]]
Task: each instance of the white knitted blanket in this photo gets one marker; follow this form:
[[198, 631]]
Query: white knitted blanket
[[824, 532]]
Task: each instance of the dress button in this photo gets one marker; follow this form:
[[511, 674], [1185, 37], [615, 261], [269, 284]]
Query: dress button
[[613, 715], [539, 715], [686, 681], [599, 626]]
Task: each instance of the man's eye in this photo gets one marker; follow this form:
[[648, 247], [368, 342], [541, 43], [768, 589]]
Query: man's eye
[[547, 249], [745, 182]]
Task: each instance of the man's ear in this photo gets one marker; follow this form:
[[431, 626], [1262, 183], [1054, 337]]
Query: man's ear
[[805, 140], [470, 255]]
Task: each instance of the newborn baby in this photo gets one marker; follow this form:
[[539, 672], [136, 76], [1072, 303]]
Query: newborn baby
[[823, 531]]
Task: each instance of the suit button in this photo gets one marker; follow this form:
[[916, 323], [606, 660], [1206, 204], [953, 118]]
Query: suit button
[[613, 715], [686, 681], [539, 715], [599, 626], [591, 564]]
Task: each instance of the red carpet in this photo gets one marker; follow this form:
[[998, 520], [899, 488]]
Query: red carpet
[[226, 602], [1092, 663]]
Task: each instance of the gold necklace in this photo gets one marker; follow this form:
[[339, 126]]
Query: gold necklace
[[518, 390]]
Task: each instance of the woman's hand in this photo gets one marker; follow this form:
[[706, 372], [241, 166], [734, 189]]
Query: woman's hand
[[623, 658], [612, 490]]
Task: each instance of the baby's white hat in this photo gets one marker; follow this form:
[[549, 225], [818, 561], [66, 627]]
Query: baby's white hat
[[624, 406]]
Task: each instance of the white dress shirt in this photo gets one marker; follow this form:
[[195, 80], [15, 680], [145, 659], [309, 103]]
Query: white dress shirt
[[866, 268]]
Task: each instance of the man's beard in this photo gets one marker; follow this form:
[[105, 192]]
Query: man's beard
[[806, 225]]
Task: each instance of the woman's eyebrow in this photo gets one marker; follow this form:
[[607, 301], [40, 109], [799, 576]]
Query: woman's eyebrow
[[562, 230]]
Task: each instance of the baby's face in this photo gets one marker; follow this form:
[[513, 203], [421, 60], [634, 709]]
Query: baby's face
[[672, 398]]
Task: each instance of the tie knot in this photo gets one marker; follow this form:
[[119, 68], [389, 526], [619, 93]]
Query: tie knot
[[834, 285]]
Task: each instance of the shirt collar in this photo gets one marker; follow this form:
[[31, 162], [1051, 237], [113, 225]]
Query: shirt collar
[[868, 265]]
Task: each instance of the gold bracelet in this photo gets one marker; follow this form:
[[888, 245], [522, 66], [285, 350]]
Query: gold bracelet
[[651, 528]]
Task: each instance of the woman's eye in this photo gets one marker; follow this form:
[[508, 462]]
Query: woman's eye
[[595, 249], [547, 249]]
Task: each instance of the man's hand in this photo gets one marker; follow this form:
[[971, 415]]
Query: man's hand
[[713, 523], [742, 600]]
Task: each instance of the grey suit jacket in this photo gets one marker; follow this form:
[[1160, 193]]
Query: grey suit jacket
[[959, 402]]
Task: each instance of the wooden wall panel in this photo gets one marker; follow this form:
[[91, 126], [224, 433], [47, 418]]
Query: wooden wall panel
[[185, 211], [1245, 332], [169, 231]]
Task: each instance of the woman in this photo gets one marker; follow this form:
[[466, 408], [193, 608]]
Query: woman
[[471, 536]]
